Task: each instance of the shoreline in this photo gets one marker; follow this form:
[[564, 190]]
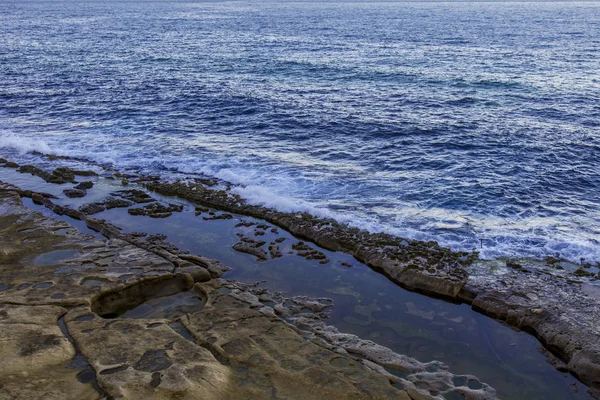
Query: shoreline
[[562, 320], [443, 273], [76, 299]]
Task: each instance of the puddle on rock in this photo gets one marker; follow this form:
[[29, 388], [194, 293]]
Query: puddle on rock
[[92, 282], [55, 257], [178, 327], [168, 307], [125, 277], [44, 285]]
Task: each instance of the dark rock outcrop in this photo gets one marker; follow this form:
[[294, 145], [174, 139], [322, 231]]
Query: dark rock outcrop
[[74, 193]]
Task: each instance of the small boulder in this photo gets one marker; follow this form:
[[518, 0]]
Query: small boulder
[[72, 193], [84, 185]]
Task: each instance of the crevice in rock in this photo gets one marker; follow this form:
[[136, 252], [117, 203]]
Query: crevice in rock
[[182, 331], [80, 362], [114, 370]]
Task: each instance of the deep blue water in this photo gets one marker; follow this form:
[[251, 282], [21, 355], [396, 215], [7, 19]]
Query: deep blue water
[[474, 124]]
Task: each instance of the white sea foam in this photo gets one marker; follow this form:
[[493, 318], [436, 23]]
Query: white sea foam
[[23, 145], [272, 187], [492, 236]]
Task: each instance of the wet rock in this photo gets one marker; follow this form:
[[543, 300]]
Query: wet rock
[[59, 175], [251, 246], [273, 352], [153, 360], [106, 204], [303, 250], [148, 178], [582, 272], [199, 210], [156, 210], [198, 273], [134, 195], [245, 224], [30, 169], [207, 181], [92, 208], [84, 185], [566, 335], [72, 193], [564, 324], [136, 357], [80, 172], [115, 301], [111, 202], [274, 250], [426, 380], [219, 216], [39, 354], [123, 175]]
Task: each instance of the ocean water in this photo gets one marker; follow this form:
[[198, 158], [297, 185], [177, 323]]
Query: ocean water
[[476, 124]]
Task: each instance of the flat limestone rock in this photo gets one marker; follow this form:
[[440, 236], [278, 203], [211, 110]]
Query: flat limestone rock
[[269, 356], [145, 359], [45, 261], [36, 356]]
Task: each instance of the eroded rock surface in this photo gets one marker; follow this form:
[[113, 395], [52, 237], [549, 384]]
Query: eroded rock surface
[[561, 310], [430, 380], [36, 356], [552, 307], [201, 343]]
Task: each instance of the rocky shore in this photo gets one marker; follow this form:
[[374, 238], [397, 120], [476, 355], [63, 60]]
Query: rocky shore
[[550, 304], [133, 317], [552, 307]]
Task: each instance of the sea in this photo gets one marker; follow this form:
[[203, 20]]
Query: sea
[[474, 124]]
